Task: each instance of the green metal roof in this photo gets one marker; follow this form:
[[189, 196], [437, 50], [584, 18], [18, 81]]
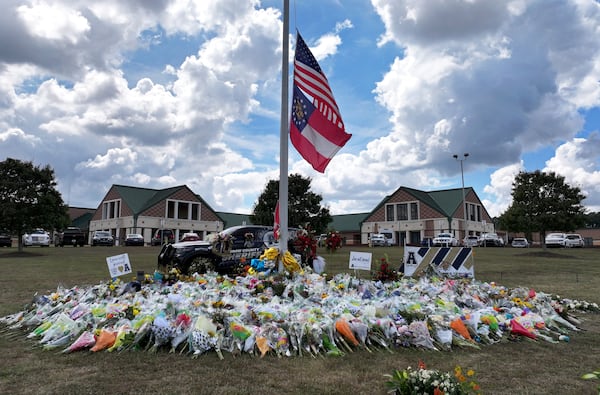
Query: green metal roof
[[139, 199], [83, 221], [449, 200], [231, 219], [346, 222]]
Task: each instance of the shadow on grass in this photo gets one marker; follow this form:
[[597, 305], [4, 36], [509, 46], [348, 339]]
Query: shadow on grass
[[20, 254], [547, 254]]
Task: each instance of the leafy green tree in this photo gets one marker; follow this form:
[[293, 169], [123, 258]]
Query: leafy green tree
[[304, 206], [592, 220], [29, 199], [543, 202]]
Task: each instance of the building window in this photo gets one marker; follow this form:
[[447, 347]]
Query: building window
[[182, 210], [402, 211], [178, 209], [111, 209], [195, 212], [389, 212], [170, 209], [414, 211]]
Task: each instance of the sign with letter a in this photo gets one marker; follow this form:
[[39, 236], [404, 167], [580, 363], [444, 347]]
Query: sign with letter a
[[448, 261], [118, 265]]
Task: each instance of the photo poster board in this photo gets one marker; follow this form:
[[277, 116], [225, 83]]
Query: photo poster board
[[360, 261], [447, 261], [118, 265]]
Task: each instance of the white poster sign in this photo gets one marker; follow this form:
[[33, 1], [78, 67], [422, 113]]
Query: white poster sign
[[360, 260], [118, 265]]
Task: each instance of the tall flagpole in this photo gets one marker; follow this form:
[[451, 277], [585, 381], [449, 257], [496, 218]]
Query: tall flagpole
[[283, 128]]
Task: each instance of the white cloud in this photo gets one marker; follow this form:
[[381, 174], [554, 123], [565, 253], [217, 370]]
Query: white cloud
[[499, 190], [169, 92], [54, 22], [579, 162]]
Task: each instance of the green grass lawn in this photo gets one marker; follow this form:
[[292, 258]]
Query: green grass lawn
[[510, 367]]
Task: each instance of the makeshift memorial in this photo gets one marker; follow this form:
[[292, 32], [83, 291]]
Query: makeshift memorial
[[295, 313]]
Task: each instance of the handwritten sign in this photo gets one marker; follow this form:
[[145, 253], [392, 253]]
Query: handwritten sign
[[118, 265], [360, 260]]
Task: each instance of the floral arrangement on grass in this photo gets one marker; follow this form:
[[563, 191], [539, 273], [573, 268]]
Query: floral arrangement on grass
[[333, 241], [386, 272], [432, 382], [306, 244]]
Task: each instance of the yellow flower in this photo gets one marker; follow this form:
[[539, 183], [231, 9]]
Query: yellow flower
[[470, 372]]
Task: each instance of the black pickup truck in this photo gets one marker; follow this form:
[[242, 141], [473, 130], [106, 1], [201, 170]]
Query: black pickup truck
[[71, 236]]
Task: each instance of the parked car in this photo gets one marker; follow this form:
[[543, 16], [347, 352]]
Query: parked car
[[190, 236], [134, 239], [519, 242], [574, 240], [225, 253], [378, 240], [5, 240], [491, 240], [471, 241], [103, 238], [38, 237], [556, 240], [70, 236], [163, 236], [445, 240], [322, 240], [427, 242]]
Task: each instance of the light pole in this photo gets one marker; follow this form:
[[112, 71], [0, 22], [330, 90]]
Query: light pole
[[462, 176]]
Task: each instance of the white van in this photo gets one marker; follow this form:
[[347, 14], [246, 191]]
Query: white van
[[378, 240], [390, 236]]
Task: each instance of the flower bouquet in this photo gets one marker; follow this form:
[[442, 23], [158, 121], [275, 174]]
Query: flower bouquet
[[435, 382], [333, 242], [385, 272]]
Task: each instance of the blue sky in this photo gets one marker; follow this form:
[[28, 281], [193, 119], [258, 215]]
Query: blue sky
[[172, 92]]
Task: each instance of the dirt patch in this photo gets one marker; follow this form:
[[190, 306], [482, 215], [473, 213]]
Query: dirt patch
[[547, 254], [20, 254]]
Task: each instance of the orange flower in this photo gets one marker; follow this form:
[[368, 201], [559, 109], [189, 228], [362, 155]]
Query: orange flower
[[342, 326], [459, 327], [437, 391], [422, 365]]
